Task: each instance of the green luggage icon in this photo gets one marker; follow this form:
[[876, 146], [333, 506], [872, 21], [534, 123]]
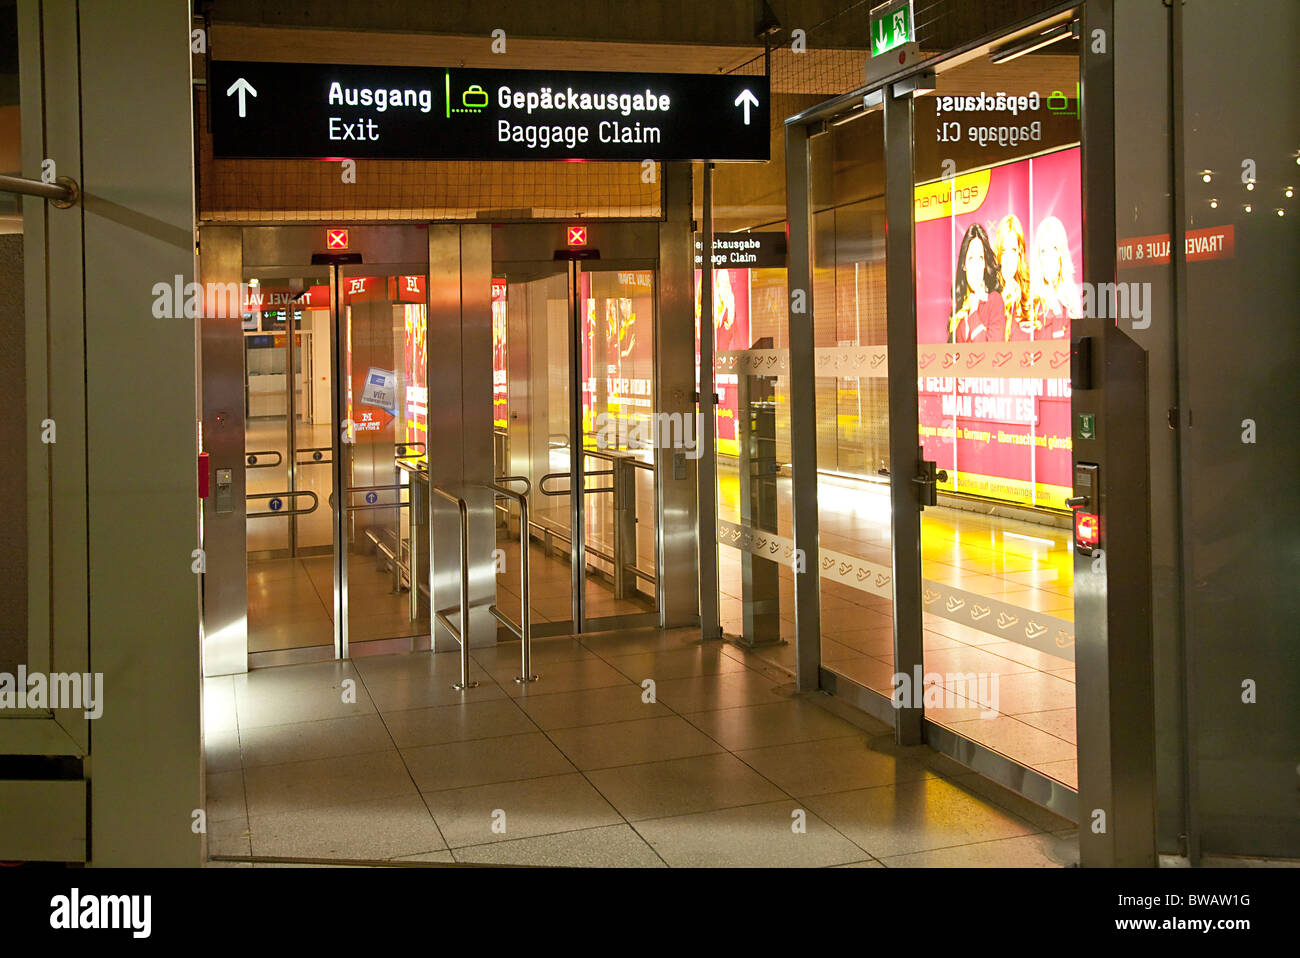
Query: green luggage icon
[[475, 98]]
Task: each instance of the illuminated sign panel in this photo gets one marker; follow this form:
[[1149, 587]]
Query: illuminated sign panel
[[892, 25], [577, 236], [336, 239], [431, 113], [744, 250]]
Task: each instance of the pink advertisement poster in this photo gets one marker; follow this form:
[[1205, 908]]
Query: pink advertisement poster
[[998, 253], [731, 332]]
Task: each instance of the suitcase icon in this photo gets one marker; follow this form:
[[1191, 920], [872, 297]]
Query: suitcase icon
[[475, 98]]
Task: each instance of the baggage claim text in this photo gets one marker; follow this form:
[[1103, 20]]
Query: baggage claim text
[[624, 126]]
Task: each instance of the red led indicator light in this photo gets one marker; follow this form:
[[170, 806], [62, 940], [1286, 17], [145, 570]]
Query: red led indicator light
[[577, 236], [1087, 529], [336, 239]]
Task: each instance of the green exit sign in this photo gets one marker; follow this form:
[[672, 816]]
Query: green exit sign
[[891, 26]]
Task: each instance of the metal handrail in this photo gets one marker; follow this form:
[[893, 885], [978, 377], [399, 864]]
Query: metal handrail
[[250, 458], [63, 192], [528, 489], [602, 454], [461, 635], [528, 483], [316, 459], [525, 630], [541, 483], [616, 456], [315, 501], [377, 505], [622, 485], [400, 450]]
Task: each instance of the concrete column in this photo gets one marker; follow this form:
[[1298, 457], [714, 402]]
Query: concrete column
[[113, 508]]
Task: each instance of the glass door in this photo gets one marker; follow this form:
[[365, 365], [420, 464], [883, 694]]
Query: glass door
[[380, 315], [574, 369], [999, 238], [531, 372], [853, 482], [286, 323], [620, 437]]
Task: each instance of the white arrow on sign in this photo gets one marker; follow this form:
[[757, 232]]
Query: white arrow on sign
[[243, 87], [747, 99]]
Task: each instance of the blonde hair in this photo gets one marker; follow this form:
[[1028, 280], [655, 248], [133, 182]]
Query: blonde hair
[[1061, 291], [1011, 235]]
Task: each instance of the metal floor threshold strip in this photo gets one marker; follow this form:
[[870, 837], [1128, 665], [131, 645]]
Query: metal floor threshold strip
[[350, 862]]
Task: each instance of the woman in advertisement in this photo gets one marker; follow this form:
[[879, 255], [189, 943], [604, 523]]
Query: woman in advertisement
[[980, 314], [1013, 263], [1056, 297]]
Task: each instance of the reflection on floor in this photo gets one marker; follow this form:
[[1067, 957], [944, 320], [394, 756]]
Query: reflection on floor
[[291, 600], [579, 769], [1023, 563], [551, 587], [291, 603]]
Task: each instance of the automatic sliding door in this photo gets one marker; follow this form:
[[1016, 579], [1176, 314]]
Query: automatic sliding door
[[603, 403], [854, 463], [619, 437], [290, 588], [382, 322], [996, 291], [531, 365]]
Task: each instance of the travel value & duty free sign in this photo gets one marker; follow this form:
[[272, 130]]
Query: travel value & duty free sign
[[321, 111]]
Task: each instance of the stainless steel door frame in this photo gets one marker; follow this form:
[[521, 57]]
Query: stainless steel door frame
[[577, 480], [623, 246], [340, 459], [225, 526], [291, 417]]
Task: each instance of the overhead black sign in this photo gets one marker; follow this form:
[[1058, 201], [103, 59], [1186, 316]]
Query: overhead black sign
[[744, 250], [320, 111]]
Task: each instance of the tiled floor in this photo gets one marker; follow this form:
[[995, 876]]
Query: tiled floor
[[1025, 564], [717, 762]]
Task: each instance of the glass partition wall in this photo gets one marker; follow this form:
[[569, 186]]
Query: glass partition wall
[[994, 189], [755, 532]]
